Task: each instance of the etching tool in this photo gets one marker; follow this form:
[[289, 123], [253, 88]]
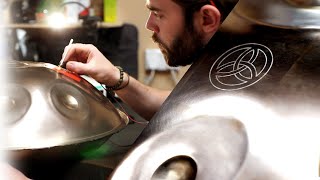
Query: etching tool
[[65, 54]]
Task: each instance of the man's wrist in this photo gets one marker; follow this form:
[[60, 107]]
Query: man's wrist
[[123, 81], [120, 81]]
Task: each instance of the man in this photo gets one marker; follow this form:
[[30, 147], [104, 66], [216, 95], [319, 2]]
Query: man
[[194, 22]]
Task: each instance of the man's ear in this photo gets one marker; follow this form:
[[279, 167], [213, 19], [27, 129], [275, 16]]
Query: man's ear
[[208, 19]]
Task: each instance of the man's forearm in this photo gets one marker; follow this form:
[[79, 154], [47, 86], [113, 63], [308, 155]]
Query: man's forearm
[[143, 99]]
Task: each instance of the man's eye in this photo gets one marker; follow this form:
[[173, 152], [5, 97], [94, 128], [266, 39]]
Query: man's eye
[[157, 15]]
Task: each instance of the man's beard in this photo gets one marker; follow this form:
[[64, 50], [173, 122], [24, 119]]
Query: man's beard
[[184, 48]]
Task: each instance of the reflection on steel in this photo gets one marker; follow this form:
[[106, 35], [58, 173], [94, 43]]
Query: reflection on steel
[[304, 3], [49, 107], [176, 168], [278, 103], [281, 13], [17, 104], [205, 147]]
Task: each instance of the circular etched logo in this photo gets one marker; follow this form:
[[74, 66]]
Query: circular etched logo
[[241, 66]]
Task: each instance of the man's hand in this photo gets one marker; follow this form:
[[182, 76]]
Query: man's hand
[[86, 59]]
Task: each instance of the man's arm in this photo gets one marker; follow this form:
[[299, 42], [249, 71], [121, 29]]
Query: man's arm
[[145, 100], [86, 59]]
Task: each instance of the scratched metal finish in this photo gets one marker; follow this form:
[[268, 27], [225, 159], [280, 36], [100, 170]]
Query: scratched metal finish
[[48, 107], [264, 73], [183, 141]]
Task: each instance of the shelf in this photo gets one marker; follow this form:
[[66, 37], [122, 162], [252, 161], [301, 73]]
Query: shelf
[[43, 25]]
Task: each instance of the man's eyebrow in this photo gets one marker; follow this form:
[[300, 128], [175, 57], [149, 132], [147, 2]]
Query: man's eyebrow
[[151, 8]]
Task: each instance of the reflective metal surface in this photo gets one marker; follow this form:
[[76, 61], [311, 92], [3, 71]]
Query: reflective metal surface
[[182, 153], [176, 168], [49, 107], [263, 69], [281, 13]]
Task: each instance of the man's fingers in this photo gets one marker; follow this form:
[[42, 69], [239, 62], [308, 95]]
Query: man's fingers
[[77, 67], [77, 52]]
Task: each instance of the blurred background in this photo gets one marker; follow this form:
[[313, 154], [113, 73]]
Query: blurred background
[[38, 30]]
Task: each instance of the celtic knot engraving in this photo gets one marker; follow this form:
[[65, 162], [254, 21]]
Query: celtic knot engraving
[[241, 66]]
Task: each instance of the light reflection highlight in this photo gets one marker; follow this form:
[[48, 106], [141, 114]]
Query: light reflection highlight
[[57, 20], [36, 118], [288, 145], [143, 153]]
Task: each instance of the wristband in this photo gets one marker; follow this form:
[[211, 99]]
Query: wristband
[[125, 84], [115, 87]]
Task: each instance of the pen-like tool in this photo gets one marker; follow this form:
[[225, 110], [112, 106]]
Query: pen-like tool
[[65, 54]]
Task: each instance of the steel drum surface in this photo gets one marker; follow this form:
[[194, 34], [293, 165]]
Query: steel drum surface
[[181, 153], [52, 109], [262, 68]]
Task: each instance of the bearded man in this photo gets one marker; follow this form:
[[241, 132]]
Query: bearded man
[[181, 28]]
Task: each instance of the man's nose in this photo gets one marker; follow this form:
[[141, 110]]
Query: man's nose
[[151, 25]]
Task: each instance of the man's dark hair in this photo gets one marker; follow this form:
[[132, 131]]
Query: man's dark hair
[[191, 6]]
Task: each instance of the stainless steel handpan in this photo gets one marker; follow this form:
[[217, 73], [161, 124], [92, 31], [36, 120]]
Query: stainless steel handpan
[[205, 147], [51, 112], [262, 68]]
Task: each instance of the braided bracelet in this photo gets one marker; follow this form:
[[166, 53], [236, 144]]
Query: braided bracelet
[[115, 87]]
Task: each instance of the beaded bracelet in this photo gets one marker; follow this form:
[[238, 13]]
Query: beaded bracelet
[[116, 87], [125, 84]]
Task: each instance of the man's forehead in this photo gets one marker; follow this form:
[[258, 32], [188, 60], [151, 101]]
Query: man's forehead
[[150, 4], [157, 4], [167, 6]]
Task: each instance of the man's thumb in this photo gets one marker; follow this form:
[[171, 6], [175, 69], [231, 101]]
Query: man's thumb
[[77, 67]]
